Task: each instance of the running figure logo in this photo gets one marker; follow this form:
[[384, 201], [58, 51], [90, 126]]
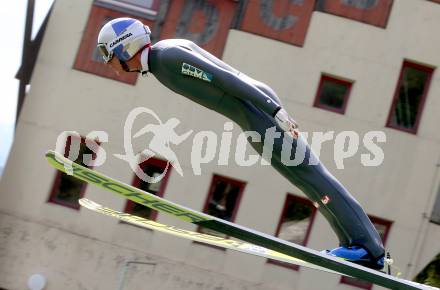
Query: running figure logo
[[164, 134]]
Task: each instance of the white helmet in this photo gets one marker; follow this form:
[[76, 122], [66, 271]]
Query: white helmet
[[122, 37]]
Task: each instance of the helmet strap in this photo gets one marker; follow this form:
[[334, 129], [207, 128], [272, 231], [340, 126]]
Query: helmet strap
[[127, 69], [124, 66]]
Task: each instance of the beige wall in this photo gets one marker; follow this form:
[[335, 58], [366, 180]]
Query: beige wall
[[68, 245]]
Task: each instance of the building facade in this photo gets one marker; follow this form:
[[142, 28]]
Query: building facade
[[338, 66]]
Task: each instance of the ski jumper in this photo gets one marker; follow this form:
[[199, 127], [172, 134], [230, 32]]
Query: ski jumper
[[188, 70]]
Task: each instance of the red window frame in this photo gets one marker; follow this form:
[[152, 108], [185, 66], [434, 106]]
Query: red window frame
[[131, 8], [58, 175], [289, 197], [364, 285], [326, 77], [84, 62], [241, 184], [160, 193], [420, 109]]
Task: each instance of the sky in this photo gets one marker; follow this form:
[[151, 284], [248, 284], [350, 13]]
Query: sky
[[12, 20]]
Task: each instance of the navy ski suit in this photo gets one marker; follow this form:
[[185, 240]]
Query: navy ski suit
[[190, 71]]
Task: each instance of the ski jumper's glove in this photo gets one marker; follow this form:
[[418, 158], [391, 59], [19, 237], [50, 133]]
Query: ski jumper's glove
[[286, 122]]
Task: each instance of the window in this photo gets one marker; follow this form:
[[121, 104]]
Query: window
[[88, 58], [142, 8], [383, 227], [435, 215], [223, 200], [67, 189], [333, 94], [152, 167], [409, 97], [295, 223]]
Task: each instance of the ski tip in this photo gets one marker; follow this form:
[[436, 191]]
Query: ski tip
[[51, 154], [58, 161]]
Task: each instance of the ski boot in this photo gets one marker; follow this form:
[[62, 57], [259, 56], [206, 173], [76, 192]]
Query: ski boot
[[358, 256]]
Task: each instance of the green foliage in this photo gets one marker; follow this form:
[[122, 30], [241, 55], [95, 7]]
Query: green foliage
[[431, 274]]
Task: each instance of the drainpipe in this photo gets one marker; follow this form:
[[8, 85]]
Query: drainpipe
[[423, 229]]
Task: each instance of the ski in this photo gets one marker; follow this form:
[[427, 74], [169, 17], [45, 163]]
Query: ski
[[245, 234], [198, 237]]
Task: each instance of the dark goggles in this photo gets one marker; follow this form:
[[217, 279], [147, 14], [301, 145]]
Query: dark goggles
[[106, 55]]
